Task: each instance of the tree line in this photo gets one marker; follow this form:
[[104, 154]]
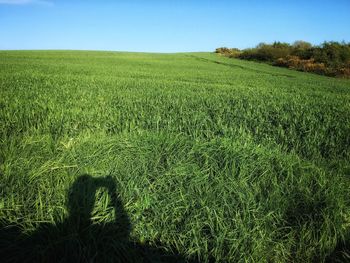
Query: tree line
[[331, 58]]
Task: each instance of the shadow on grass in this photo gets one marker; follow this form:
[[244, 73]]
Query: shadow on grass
[[77, 239], [341, 253]]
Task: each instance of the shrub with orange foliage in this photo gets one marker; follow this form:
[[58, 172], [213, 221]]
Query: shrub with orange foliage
[[343, 72], [229, 52], [308, 65]]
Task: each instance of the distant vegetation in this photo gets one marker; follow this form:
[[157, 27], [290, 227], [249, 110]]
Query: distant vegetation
[[330, 58]]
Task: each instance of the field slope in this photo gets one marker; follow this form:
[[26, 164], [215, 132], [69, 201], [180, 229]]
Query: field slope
[[110, 156]]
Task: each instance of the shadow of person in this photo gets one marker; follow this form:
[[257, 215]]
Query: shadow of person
[[80, 239]]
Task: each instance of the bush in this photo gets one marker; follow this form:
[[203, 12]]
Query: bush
[[343, 72], [266, 52], [333, 54], [230, 52], [308, 65], [302, 49], [330, 58], [222, 50]]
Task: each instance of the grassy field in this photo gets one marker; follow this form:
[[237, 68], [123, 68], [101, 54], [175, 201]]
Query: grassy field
[[108, 156]]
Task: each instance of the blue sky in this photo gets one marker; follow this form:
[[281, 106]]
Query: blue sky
[[168, 25]]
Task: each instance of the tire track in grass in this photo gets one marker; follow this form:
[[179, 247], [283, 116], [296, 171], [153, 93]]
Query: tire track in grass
[[237, 66]]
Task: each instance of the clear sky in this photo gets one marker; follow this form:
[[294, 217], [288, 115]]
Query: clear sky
[[168, 25]]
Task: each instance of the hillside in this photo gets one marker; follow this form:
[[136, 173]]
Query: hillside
[[189, 155]]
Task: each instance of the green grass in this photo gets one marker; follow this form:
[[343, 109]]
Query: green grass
[[210, 159]]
